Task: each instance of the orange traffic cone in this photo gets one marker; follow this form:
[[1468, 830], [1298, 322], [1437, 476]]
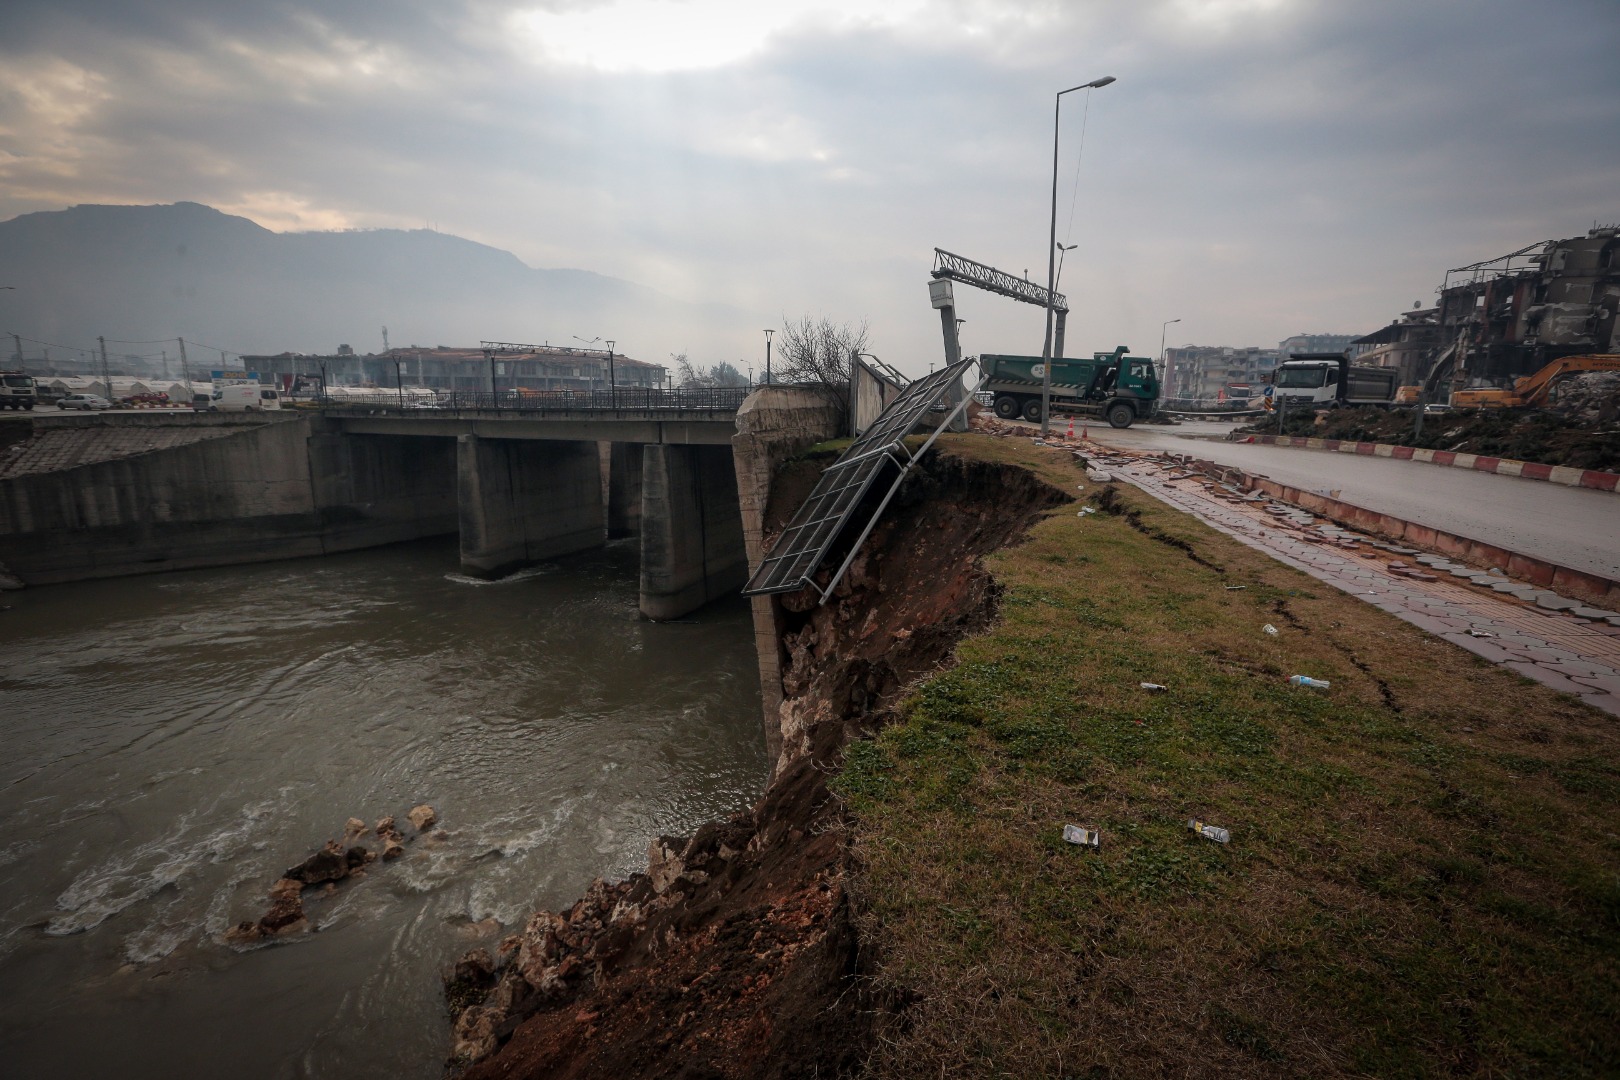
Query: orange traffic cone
[[1071, 428]]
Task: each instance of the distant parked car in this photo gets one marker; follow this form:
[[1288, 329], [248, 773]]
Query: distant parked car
[[84, 402]]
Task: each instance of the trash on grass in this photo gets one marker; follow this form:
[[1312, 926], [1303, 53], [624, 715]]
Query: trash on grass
[[1156, 688], [1214, 832], [1479, 633], [1306, 680], [1086, 510], [1268, 628], [1235, 588], [1090, 838]]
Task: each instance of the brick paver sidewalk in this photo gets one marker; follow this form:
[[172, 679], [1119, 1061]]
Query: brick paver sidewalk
[[1569, 654]]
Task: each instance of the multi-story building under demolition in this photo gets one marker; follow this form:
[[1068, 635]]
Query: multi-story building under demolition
[[1510, 316]]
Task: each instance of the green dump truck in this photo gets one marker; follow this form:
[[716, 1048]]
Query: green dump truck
[[1121, 388]]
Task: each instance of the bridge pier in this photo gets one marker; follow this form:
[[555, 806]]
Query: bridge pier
[[691, 529], [624, 490], [525, 500]]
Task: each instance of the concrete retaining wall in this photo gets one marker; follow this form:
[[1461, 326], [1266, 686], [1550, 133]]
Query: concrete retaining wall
[[261, 490], [773, 425]]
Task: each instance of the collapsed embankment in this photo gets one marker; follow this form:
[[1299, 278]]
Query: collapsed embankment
[[735, 954]]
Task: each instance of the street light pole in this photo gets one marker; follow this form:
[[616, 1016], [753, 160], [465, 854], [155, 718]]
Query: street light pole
[[768, 334], [1162, 369], [613, 384], [1051, 256]]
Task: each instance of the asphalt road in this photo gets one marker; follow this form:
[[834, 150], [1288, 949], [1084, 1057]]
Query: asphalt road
[[1575, 527]]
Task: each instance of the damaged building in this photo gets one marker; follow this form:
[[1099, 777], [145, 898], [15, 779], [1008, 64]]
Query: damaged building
[[1510, 316]]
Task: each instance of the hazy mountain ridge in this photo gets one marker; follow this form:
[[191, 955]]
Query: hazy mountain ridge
[[141, 273]]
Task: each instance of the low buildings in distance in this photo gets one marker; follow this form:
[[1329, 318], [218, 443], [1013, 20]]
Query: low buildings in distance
[[489, 367]]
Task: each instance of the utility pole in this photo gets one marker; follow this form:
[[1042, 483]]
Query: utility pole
[[106, 376], [165, 363], [185, 367], [613, 383], [385, 339], [18, 340]]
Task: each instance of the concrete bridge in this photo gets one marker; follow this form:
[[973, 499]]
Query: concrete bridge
[[520, 481]]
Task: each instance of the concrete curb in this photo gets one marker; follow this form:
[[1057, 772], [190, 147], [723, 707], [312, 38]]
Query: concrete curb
[[1557, 474], [1527, 568]]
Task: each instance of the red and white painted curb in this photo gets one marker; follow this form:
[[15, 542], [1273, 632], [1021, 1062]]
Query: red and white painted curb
[[1529, 470]]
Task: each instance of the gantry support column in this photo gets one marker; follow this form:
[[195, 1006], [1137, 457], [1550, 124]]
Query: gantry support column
[[523, 501], [691, 529], [624, 490]]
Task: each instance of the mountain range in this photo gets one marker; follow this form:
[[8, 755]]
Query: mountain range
[[149, 274]]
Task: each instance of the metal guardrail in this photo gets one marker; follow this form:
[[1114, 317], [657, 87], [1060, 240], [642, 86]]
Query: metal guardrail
[[687, 399]]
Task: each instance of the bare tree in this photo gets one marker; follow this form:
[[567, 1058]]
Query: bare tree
[[721, 374], [816, 352]]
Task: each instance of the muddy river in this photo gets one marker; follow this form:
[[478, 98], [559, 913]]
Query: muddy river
[[173, 742]]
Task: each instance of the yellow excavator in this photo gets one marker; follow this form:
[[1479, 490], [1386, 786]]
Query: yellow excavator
[[1531, 391]]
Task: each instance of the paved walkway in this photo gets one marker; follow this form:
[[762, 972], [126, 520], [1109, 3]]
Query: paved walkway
[[1570, 654]]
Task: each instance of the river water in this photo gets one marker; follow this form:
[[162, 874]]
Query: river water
[[173, 742]]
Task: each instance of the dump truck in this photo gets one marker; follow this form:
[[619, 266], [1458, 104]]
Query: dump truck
[[1330, 381], [1122, 389], [17, 390], [1532, 391]]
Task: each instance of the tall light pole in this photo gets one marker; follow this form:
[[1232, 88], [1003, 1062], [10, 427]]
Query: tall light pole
[[613, 382], [1162, 369], [1051, 255], [768, 334]]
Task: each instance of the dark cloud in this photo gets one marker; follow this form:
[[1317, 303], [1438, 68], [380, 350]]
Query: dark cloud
[[1259, 169]]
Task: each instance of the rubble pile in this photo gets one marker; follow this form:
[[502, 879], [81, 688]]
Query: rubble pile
[[1590, 398], [336, 861]]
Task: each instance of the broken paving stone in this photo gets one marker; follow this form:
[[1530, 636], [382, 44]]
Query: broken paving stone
[[1593, 613], [1099, 476], [1554, 602]]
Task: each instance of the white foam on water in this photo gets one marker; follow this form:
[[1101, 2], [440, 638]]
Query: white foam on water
[[509, 579], [121, 882]]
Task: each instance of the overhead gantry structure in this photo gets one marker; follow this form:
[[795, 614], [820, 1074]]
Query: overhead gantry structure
[[950, 267]]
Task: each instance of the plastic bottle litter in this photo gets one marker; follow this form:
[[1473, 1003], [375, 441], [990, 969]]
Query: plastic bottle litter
[[1235, 588], [1090, 838], [1268, 628], [1086, 510], [1153, 687], [1214, 832], [1306, 680]]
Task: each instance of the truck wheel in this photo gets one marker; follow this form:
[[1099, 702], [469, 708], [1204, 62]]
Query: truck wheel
[[1032, 410], [1006, 406], [29, 407], [1120, 415]]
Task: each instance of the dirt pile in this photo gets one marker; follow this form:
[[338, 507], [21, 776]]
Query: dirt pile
[[735, 955], [1544, 436]]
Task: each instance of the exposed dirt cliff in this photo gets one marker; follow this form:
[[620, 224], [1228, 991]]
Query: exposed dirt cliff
[[734, 955]]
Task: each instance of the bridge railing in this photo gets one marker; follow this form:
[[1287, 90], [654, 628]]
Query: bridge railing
[[631, 398]]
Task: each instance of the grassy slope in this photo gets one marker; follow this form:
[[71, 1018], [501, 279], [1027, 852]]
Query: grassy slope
[[1422, 878]]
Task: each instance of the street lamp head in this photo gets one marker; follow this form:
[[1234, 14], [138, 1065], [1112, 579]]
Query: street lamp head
[[1095, 83], [768, 334], [1062, 247]]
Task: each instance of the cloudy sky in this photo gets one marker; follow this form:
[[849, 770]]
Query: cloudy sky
[[1261, 167]]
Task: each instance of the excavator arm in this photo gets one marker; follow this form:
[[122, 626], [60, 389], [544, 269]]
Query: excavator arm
[[1533, 389]]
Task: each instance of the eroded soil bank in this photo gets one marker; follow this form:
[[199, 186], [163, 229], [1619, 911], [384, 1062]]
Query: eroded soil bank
[[735, 954]]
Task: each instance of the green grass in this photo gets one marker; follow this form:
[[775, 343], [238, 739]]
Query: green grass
[[1424, 873]]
